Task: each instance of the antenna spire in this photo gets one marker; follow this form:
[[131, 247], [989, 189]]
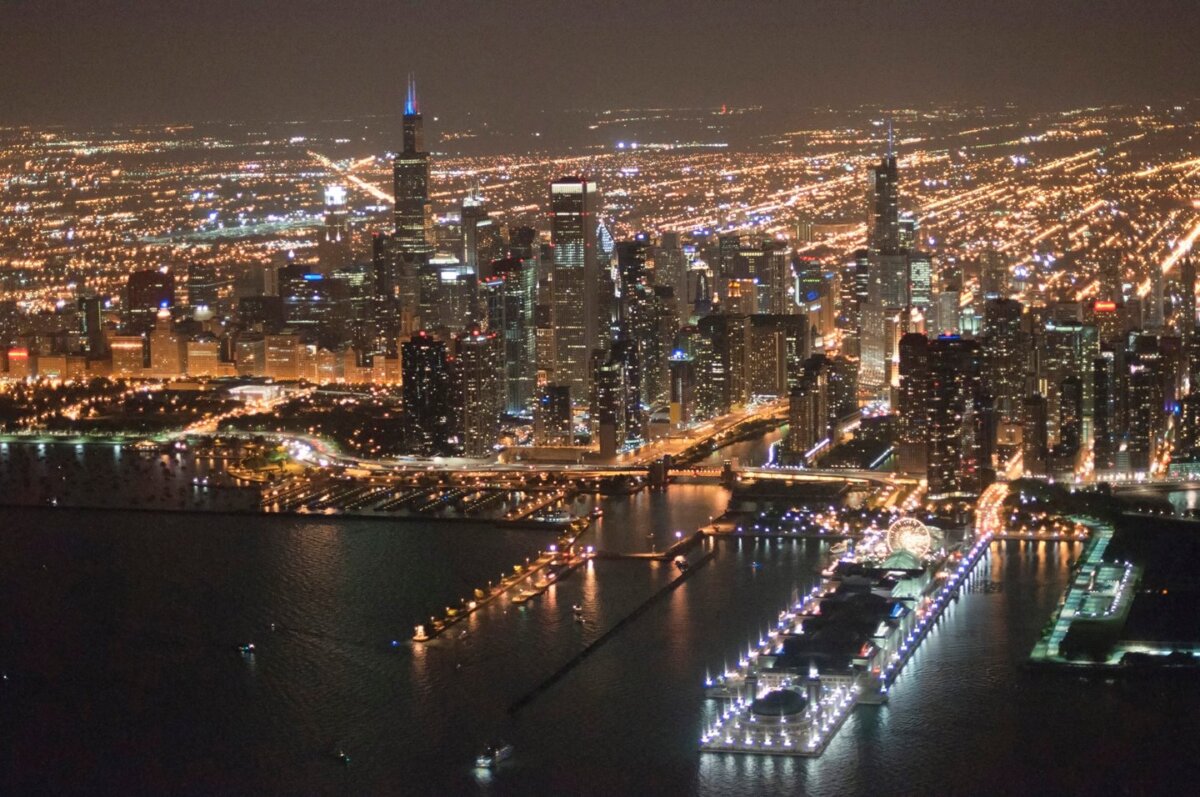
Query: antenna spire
[[411, 106], [891, 141]]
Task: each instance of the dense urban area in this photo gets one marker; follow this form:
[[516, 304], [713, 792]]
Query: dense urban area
[[944, 327]]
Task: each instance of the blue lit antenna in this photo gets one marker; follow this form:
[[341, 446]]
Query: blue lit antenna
[[411, 107]]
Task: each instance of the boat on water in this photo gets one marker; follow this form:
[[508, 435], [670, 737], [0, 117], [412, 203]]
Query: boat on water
[[523, 596], [681, 562], [493, 755]]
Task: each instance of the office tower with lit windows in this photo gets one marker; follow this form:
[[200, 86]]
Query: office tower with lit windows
[[1066, 349], [1005, 357], [1035, 443], [956, 449], [552, 424], [481, 242], [479, 375], [1105, 404], [428, 390], [618, 417], [91, 319], [913, 405], [397, 283], [682, 405], [582, 288], [146, 292], [410, 179], [334, 243], [808, 415], [920, 274], [775, 354], [883, 223], [310, 303], [509, 295], [725, 368]]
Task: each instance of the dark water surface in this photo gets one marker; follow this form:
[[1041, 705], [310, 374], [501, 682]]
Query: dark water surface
[[118, 634]]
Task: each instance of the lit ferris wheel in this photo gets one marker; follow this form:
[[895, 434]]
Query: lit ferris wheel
[[909, 534]]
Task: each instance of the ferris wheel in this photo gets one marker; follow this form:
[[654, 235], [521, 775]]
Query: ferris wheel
[[909, 534]]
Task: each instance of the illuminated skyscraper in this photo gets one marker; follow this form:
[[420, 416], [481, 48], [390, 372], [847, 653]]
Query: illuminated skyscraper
[[427, 391], [884, 221], [410, 173], [334, 244], [479, 364], [147, 292], [509, 294], [480, 234], [1005, 357], [956, 445], [913, 404], [582, 289]]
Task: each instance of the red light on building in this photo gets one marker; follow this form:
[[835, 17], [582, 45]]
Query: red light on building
[[1104, 307]]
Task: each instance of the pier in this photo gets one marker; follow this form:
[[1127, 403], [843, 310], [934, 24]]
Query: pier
[[694, 563], [786, 698]]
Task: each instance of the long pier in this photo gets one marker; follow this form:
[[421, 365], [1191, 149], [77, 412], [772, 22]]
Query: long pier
[[591, 648]]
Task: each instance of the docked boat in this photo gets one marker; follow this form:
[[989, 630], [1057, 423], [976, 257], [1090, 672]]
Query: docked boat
[[493, 755]]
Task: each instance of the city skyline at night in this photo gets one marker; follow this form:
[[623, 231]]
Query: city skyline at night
[[634, 398]]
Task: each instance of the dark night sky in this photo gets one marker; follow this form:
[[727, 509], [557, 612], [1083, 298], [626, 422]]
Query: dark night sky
[[64, 61]]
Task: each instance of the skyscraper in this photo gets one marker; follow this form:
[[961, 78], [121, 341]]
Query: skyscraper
[[479, 363], [427, 392], [913, 404], [509, 294], [1005, 357], [146, 292], [580, 284], [955, 446], [884, 220], [334, 243], [410, 173]]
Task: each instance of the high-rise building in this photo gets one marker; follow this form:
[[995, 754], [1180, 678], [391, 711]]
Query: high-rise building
[[776, 353], [1006, 357], [167, 348], [1104, 410], [616, 406], [410, 173], [310, 302], [682, 406], [146, 292], [479, 362], [913, 405], [1034, 440], [282, 353], [884, 220], [582, 289], [334, 244], [481, 244], [552, 425], [956, 450], [428, 389], [91, 319], [207, 287], [509, 294], [724, 368], [993, 274]]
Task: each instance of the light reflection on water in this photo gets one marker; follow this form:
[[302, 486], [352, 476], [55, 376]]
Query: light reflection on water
[[187, 589]]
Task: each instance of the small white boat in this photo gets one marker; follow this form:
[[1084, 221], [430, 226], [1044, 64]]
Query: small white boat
[[493, 755]]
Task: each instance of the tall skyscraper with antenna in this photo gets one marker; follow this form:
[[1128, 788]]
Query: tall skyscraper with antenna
[[410, 172], [884, 224]]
